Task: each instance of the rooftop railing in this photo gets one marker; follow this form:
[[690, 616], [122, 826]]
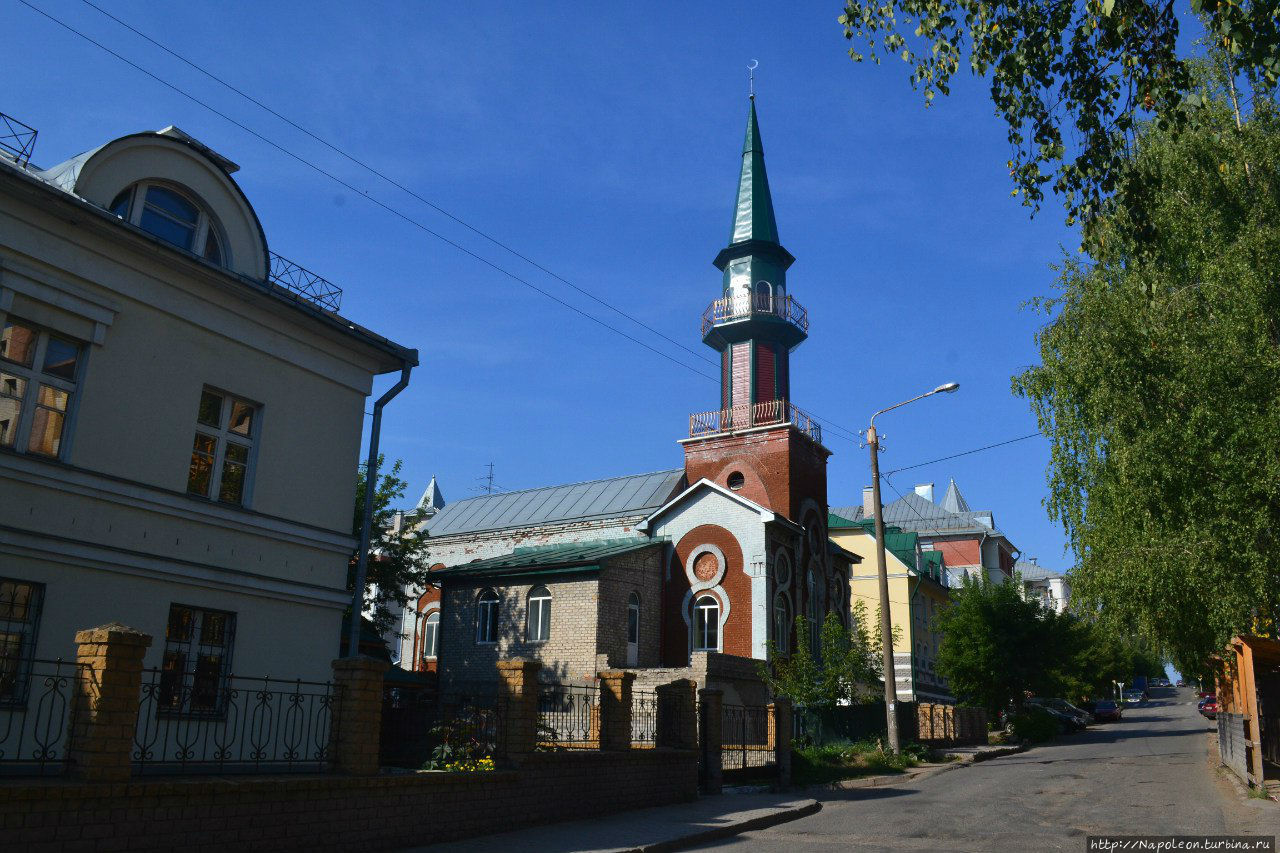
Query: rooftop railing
[[745, 416], [743, 306], [302, 281], [17, 138]]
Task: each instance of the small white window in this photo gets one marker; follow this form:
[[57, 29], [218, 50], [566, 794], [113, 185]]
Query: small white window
[[221, 459], [38, 373], [538, 628], [430, 635], [487, 617], [706, 624], [174, 216]]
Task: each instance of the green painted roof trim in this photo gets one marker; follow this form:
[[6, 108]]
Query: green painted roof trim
[[547, 559]]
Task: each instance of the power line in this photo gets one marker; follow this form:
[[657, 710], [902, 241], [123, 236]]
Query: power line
[[962, 453], [393, 182], [395, 212], [840, 431]]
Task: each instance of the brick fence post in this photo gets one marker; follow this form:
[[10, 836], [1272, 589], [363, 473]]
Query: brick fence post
[[710, 719], [106, 700], [780, 714], [677, 720], [357, 726], [615, 709], [518, 700]]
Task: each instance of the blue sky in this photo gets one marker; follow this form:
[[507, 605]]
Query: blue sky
[[606, 147]]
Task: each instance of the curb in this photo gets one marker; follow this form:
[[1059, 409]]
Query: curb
[[806, 808], [1000, 753]]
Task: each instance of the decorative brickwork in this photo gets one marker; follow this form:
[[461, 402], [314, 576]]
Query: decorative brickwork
[[949, 725], [357, 734], [105, 705]]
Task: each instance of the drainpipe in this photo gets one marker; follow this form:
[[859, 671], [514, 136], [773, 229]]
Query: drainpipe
[[370, 486]]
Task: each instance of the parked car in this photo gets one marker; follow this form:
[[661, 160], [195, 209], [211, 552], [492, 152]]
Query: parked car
[[1134, 697], [1066, 722], [1181, 683], [1104, 710], [1209, 707], [1063, 706]]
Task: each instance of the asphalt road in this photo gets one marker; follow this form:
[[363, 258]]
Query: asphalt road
[[1148, 774]]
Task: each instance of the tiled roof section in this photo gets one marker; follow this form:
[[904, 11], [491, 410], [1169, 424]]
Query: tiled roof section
[[1034, 572], [549, 557], [619, 497], [912, 512]]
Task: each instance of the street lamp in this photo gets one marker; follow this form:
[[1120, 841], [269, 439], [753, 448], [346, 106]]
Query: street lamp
[[886, 625]]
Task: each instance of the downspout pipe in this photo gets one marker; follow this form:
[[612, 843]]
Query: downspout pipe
[[370, 487]]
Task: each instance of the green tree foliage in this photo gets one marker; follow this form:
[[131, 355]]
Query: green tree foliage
[[1071, 78], [397, 558], [846, 668], [997, 646], [1159, 386]]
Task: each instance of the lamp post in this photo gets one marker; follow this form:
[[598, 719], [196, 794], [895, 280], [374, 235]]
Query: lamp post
[[886, 624]]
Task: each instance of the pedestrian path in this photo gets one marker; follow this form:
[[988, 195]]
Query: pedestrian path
[[649, 830]]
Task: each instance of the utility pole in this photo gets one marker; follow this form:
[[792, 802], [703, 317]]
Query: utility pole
[[886, 621]]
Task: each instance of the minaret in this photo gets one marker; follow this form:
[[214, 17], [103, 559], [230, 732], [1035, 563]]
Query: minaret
[[755, 324], [756, 442]]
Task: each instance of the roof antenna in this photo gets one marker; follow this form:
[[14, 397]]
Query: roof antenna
[[751, 73]]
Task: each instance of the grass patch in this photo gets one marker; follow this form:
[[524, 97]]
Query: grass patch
[[817, 765]]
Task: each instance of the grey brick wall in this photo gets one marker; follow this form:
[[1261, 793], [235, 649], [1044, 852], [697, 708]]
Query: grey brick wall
[[639, 572], [569, 656]]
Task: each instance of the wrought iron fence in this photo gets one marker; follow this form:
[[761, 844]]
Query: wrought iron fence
[[655, 718], [435, 730], [746, 737], [305, 283], [568, 717], [17, 138], [36, 700], [233, 725]]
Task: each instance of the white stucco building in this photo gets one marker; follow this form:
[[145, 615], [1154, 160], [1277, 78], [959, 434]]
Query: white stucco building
[[180, 418]]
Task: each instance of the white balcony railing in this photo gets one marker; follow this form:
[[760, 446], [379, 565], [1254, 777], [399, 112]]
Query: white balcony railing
[[743, 306], [745, 416]]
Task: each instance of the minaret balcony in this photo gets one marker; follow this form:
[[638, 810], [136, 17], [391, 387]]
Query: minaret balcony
[[740, 307], [747, 416]]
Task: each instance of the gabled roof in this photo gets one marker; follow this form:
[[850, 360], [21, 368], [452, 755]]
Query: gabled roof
[[707, 485], [636, 495], [913, 512], [544, 559], [1034, 571]]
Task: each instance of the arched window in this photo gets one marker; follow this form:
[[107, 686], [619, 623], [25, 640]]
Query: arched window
[[763, 292], [811, 607], [633, 629], [781, 623], [174, 216], [706, 624], [430, 635], [538, 622], [487, 617]]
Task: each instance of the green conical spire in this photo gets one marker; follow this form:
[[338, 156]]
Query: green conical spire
[[753, 217]]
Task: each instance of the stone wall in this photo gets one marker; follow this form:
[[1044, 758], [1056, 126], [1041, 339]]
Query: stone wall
[[949, 725], [338, 812], [639, 572], [734, 676]]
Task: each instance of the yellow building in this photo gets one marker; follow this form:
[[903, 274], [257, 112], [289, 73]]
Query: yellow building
[[917, 593]]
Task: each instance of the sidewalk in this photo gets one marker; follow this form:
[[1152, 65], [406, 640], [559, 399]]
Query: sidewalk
[[648, 830]]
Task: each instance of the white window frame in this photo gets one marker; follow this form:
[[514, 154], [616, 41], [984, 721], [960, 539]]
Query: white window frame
[[191, 650], [538, 615], [205, 223], [487, 605], [699, 624], [431, 636], [34, 376], [222, 436], [782, 623]]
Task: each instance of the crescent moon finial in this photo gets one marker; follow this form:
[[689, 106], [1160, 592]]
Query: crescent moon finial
[[751, 72]]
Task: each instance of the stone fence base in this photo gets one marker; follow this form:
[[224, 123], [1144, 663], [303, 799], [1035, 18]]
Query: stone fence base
[[338, 812], [949, 725]]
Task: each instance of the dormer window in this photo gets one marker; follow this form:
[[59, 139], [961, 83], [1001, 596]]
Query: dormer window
[[173, 216]]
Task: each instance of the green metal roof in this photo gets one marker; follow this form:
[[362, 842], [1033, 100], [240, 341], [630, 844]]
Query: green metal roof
[[546, 559], [897, 542], [753, 217]]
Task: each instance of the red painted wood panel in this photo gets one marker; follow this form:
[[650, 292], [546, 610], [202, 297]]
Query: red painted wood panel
[[742, 374], [764, 373]]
